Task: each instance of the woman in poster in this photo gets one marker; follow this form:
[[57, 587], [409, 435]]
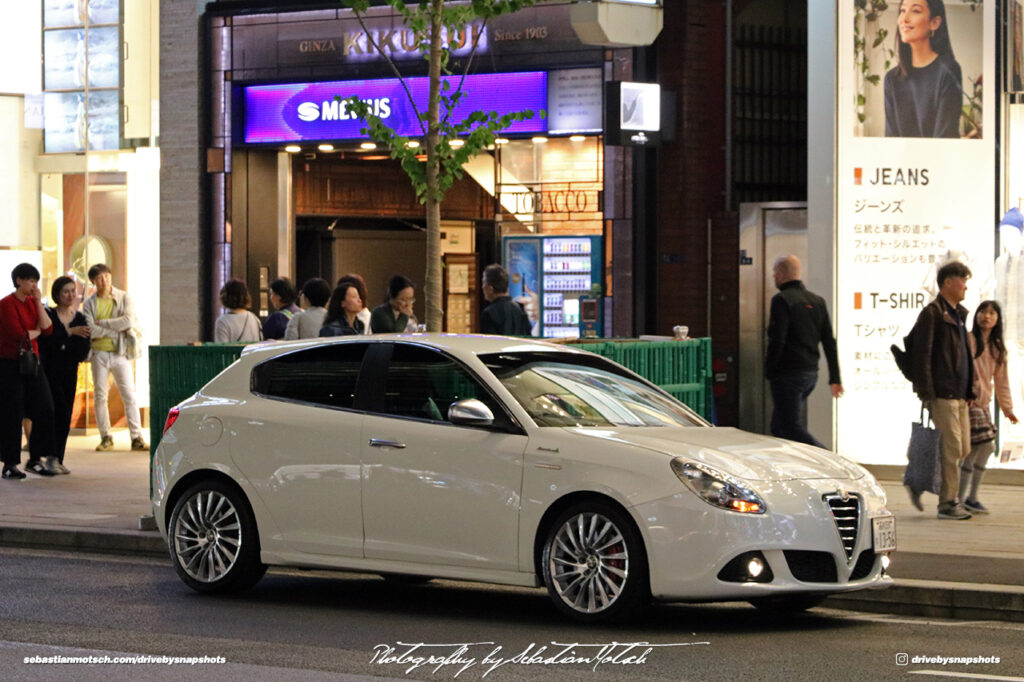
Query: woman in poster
[[923, 92]]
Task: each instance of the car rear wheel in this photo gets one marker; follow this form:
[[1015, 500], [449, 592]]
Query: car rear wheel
[[594, 564], [788, 603], [213, 539]]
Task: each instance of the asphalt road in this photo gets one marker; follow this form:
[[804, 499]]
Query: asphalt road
[[318, 626]]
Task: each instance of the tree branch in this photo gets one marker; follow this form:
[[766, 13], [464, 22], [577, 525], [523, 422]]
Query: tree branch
[[394, 68]]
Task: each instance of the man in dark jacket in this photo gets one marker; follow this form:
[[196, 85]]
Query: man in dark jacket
[[943, 374], [798, 322], [503, 315]]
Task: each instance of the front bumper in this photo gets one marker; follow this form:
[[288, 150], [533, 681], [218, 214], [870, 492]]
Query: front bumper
[[690, 542]]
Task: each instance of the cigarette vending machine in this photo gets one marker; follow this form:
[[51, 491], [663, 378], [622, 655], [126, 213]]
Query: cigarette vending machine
[[548, 275]]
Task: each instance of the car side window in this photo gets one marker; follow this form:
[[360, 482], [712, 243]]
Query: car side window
[[324, 375], [423, 383]]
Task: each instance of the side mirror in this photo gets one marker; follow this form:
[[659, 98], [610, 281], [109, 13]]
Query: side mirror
[[470, 412]]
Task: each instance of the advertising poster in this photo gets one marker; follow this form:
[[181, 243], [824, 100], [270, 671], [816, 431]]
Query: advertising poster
[[916, 187]]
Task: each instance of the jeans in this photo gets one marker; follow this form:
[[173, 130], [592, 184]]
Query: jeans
[[104, 364], [789, 418]]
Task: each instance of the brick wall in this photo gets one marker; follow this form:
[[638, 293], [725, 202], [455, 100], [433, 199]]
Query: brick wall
[[691, 189]]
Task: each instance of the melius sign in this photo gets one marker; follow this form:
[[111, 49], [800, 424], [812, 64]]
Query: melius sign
[[297, 112], [915, 188]]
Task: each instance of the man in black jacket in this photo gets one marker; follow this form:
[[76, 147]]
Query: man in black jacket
[[503, 315], [943, 377], [798, 322]]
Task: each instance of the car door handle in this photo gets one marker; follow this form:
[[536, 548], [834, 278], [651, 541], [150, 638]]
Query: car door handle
[[382, 443]]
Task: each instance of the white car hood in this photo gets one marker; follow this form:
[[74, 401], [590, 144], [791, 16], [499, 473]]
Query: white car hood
[[749, 456]]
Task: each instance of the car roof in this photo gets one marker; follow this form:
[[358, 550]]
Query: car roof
[[458, 344]]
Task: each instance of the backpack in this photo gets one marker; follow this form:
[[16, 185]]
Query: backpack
[[902, 357]]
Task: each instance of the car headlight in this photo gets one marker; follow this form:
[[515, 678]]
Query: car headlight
[[718, 489]]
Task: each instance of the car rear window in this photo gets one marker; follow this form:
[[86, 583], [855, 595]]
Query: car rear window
[[324, 375]]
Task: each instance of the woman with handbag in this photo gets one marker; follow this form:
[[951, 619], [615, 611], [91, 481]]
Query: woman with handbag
[[989, 368], [22, 320], [61, 352]]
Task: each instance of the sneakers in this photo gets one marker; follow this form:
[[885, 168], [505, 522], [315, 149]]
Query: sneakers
[[139, 444], [953, 512], [11, 473], [106, 443], [975, 507], [56, 467], [915, 498], [37, 467]]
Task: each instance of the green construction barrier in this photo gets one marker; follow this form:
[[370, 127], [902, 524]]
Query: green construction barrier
[[177, 372]]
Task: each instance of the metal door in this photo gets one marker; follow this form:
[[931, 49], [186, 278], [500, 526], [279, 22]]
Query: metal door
[[767, 231]]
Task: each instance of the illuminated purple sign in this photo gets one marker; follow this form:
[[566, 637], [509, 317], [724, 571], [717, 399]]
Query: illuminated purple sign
[[298, 112]]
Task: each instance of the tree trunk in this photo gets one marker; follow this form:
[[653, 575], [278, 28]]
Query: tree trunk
[[432, 281]]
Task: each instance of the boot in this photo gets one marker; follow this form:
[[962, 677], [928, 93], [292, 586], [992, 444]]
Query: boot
[[965, 481]]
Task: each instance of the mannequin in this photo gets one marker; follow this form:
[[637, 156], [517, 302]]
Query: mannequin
[[1009, 270]]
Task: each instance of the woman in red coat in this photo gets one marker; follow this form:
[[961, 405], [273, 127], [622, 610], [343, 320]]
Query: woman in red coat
[[22, 320]]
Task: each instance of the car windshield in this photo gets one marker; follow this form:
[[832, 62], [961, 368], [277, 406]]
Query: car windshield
[[561, 392]]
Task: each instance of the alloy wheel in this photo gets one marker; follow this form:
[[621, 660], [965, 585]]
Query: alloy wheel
[[207, 536], [588, 563]]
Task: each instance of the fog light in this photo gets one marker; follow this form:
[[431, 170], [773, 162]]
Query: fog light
[[749, 567], [885, 562]]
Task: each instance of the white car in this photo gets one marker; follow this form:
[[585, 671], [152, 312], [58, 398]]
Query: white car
[[504, 461]]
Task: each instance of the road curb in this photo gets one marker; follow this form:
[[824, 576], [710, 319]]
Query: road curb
[[148, 543], [933, 599]]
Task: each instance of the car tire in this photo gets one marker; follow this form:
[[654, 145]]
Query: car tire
[[788, 604], [213, 539], [594, 564]]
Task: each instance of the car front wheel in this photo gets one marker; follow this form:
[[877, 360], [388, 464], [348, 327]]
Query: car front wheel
[[213, 539], [594, 564]]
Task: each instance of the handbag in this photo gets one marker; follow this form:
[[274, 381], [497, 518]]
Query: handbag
[[28, 361], [982, 428], [924, 457]]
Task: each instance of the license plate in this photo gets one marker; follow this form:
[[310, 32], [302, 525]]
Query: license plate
[[883, 531]]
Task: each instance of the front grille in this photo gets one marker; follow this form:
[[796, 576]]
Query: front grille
[[846, 514], [811, 567], [865, 563]]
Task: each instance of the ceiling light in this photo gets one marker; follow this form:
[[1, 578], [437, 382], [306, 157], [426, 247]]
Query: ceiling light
[[368, 145], [539, 140], [577, 138], [326, 147], [457, 143], [293, 149], [501, 140], [413, 144]]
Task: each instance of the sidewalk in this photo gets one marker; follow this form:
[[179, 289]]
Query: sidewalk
[[960, 569]]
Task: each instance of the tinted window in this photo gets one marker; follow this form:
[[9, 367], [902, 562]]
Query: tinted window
[[578, 390], [326, 375], [423, 383]]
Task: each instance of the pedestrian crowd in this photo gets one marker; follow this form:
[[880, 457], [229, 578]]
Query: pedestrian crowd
[[953, 371], [40, 351]]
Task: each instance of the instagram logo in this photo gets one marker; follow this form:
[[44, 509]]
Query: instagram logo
[[902, 659]]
